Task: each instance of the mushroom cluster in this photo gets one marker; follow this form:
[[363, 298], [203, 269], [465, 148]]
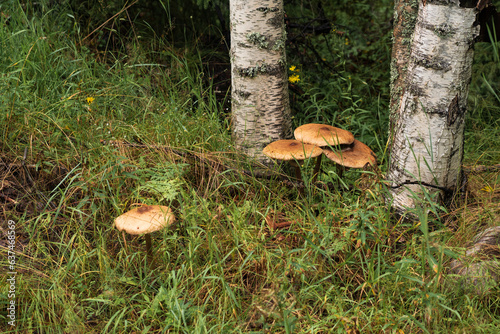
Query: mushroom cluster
[[314, 140]]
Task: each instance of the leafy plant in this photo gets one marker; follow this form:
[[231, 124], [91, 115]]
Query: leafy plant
[[164, 183]]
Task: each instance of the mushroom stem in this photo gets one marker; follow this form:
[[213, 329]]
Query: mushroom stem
[[124, 240], [298, 174], [149, 251], [317, 168], [340, 171]]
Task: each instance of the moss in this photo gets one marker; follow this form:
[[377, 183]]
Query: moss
[[279, 44], [443, 30], [394, 73], [409, 22], [406, 41], [258, 39], [408, 27], [253, 71], [263, 68], [435, 63]]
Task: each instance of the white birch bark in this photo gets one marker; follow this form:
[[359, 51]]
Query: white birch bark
[[260, 102], [427, 145]]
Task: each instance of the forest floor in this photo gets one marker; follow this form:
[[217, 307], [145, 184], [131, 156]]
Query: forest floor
[[91, 130]]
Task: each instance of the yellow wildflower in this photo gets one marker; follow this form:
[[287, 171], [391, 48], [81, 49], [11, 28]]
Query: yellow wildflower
[[90, 99], [292, 68], [293, 78], [487, 189]]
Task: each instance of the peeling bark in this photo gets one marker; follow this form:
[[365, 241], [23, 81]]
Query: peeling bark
[[428, 133], [260, 102]]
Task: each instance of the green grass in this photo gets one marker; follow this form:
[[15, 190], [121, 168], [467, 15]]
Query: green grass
[[83, 140]]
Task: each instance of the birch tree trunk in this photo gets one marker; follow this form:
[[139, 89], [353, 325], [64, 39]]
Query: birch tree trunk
[[426, 147], [260, 102]]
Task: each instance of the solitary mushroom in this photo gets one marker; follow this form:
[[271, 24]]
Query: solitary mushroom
[[291, 150], [144, 220], [322, 135], [356, 155]]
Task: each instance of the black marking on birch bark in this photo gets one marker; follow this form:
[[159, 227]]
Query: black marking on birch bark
[[454, 111], [277, 20], [417, 139], [435, 63], [396, 167], [452, 175], [266, 10], [444, 30], [244, 45], [453, 152], [242, 93], [414, 88]]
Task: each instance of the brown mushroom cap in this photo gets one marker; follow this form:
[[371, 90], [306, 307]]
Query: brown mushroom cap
[[290, 149], [356, 156], [322, 135], [145, 219]]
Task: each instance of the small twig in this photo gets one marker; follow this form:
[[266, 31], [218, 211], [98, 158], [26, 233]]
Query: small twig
[[446, 190], [112, 17], [273, 225], [281, 225], [8, 199]]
